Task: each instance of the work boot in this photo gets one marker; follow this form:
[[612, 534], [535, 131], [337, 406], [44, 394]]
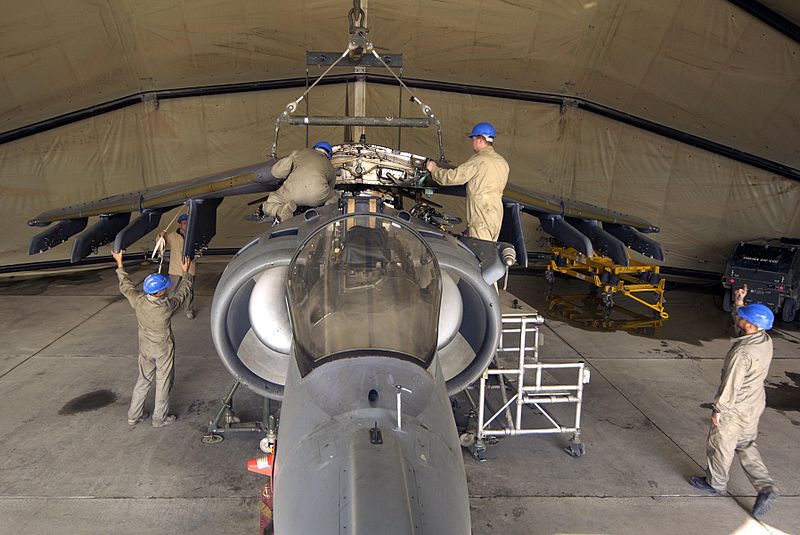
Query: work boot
[[169, 420], [145, 415], [701, 483], [190, 314], [764, 501]]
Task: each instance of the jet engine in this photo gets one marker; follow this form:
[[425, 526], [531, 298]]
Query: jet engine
[[250, 320]]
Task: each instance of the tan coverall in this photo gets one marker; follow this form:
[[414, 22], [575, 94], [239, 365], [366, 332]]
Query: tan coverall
[[486, 175], [156, 343], [175, 243], [740, 401], [310, 178]]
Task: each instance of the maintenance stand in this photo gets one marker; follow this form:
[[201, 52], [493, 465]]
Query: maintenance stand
[[517, 371]]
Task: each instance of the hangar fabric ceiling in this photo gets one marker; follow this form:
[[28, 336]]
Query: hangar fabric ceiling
[[703, 67]]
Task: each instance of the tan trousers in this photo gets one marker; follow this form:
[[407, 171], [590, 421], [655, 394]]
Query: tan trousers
[[483, 233], [162, 369], [734, 436]]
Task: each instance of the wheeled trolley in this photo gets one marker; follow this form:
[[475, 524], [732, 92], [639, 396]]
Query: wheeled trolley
[[641, 282], [525, 384]]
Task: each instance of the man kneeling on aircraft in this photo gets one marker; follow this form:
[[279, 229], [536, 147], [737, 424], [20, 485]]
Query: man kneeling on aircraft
[[310, 179], [154, 310]]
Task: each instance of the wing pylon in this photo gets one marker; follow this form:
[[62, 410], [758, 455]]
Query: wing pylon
[[202, 196]]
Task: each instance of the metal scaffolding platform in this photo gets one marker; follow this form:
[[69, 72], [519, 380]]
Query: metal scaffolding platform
[[518, 372]]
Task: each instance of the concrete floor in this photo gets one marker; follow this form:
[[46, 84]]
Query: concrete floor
[[70, 464]]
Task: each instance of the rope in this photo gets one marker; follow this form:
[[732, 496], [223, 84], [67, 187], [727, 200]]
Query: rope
[[161, 243]]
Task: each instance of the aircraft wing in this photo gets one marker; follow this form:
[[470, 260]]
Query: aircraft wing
[[203, 195], [582, 226]]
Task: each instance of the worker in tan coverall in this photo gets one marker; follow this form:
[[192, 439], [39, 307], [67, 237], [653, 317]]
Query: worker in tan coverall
[[156, 343], [175, 243], [738, 406], [486, 175], [310, 179]]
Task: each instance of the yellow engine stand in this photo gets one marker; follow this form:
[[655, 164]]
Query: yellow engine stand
[[631, 280]]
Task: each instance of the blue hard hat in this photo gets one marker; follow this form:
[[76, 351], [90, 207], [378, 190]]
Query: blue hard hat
[[182, 218], [483, 129], [155, 283], [324, 145], [757, 314]]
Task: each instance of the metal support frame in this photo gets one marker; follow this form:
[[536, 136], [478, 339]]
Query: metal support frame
[[527, 381], [631, 281], [357, 121], [358, 48], [226, 420]]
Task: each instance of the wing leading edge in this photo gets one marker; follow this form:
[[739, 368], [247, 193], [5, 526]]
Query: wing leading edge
[[203, 195], [580, 225]]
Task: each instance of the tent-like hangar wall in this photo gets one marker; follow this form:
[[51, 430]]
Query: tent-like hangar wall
[[708, 69]]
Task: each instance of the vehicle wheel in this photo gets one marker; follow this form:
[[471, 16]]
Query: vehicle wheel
[[727, 301], [789, 310]]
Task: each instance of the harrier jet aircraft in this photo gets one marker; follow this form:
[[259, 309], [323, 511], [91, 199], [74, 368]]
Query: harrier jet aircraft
[[361, 316]]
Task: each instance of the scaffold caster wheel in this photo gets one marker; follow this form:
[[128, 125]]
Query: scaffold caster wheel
[[212, 439], [575, 448], [478, 451], [467, 439]]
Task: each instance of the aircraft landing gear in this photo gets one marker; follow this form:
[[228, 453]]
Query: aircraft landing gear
[[226, 420]]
